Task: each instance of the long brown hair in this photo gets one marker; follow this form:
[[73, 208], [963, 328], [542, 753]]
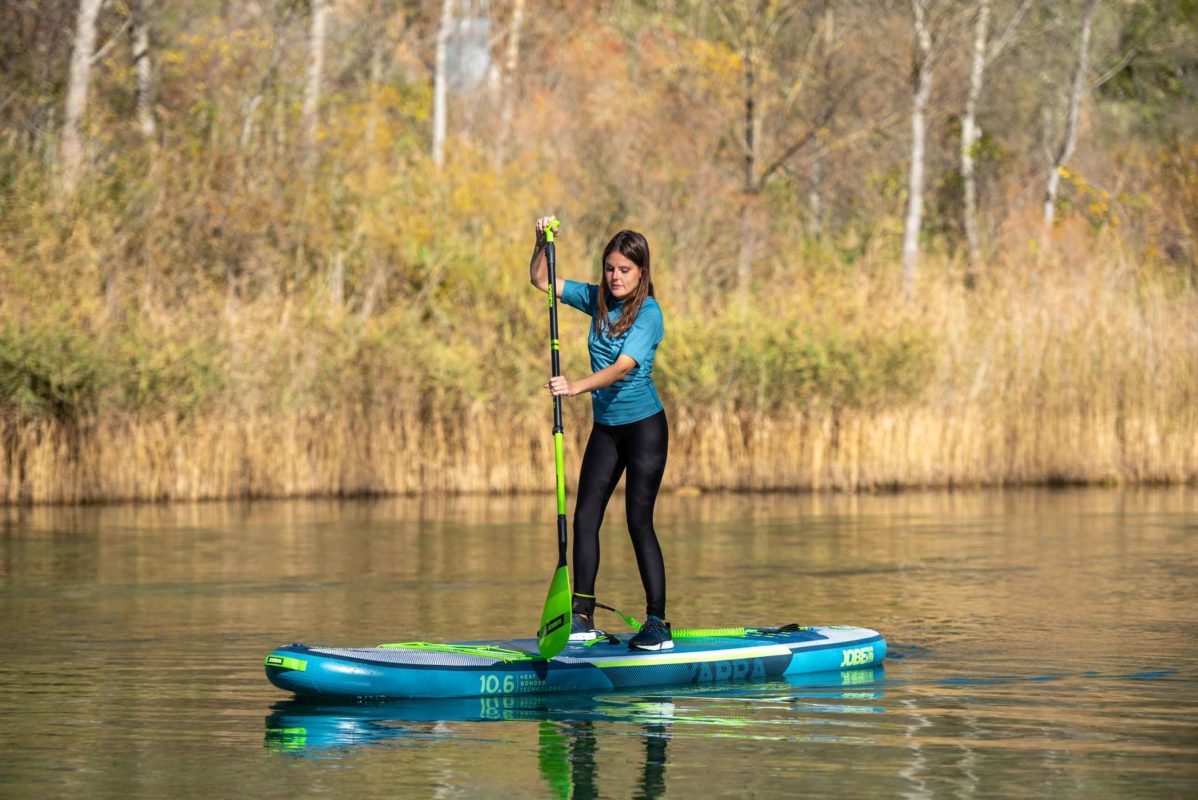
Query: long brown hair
[[634, 247]]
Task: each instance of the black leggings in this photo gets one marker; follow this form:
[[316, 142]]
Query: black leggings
[[640, 447]]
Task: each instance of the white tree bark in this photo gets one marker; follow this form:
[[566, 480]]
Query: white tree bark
[[922, 91], [143, 66], [510, 67], [316, 39], [984, 54], [440, 90], [1076, 92], [77, 91], [969, 134]]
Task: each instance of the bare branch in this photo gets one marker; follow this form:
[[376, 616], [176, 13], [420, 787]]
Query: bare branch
[[1008, 33], [1119, 67], [824, 118], [98, 56]]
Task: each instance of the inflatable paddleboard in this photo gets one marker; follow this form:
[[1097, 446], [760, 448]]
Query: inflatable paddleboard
[[514, 667], [296, 725]]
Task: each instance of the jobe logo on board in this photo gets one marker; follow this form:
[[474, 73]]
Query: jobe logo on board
[[856, 656], [727, 670]]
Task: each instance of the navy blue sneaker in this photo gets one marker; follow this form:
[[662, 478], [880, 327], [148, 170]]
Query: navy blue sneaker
[[581, 629], [654, 635]]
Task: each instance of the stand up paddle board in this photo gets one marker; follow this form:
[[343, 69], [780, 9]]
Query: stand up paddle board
[[297, 725], [515, 667]]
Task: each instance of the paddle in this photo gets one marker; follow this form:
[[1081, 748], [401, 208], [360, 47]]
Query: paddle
[[554, 632]]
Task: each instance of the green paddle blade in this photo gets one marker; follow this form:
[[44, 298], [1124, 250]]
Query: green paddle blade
[[554, 760], [554, 633]]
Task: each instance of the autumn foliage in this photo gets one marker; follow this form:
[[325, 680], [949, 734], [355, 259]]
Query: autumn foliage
[[220, 310]]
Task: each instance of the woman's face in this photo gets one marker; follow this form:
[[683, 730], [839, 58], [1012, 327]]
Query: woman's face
[[621, 275]]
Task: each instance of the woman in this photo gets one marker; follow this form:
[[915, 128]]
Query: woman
[[630, 431]]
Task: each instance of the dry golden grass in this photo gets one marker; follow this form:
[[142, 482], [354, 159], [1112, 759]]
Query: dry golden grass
[[1078, 372], [295, 457]]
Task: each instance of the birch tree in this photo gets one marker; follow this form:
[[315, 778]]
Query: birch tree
[[78, 87], [440, 77], [511, 66], [144, 68], [969, 136], [984, 53], [282, 17], [922, 55], [316, 40], [1061, 155]]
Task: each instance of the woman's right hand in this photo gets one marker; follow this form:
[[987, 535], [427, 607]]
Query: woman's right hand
[[538, 271], [542, 224]]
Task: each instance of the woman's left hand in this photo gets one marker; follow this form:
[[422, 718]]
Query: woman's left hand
[[560, 387]]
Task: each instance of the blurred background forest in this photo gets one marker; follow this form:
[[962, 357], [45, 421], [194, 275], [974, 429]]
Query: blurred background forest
[[279, 248]]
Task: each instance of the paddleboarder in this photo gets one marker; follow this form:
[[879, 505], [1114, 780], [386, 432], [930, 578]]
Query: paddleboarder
[[630, 433]]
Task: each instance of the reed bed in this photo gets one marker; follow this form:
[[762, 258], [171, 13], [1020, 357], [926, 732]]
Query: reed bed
[[1063, 374], [329, 456]]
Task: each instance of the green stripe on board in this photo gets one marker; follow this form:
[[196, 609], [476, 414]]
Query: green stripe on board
[[285, 662]]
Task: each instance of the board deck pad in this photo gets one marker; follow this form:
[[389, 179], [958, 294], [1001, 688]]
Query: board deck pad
[[514, 667]]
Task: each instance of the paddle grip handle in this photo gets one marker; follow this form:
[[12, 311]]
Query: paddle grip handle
[[554, 344]]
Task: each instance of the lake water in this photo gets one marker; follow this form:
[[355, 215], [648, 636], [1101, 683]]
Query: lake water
[[1042, 644]]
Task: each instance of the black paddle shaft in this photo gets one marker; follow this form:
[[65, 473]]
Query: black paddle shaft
[[551, 262], [558, 428]]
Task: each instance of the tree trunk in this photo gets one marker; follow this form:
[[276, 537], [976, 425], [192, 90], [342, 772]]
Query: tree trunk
[[510, 67], [374, 165], [815, 196], [77, 91], [337, 281], [969, 137], [1077, 90], [378, 282], [250, 109], [376, 84], [751, 189], [143, 65], [440, 93], [922, 86], [316, 37]]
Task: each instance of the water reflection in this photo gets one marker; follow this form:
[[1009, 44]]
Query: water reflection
[[570, 727], [1037, 639]]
